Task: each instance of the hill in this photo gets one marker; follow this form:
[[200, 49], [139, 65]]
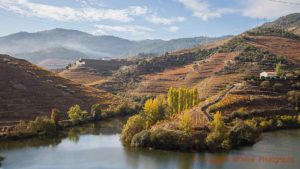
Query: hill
[[290, 23], [213, 69], [28, 91], [61, 45]]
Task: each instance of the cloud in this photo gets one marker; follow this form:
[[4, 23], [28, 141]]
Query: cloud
[[135, 30], [268, 9], [165, 21], [28, 8], [203, 10], [173, 29]]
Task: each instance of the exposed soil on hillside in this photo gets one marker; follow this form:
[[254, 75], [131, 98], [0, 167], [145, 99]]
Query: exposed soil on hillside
[[278, 45]]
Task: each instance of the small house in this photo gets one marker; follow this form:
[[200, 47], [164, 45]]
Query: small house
[[80, 62], [268, 74]]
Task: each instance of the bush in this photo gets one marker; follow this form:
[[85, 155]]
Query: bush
[[124, 109], [240, 113], [242, 133], [40, 126], [55, 116], [218, 134], [186, 122], [134, 125], [277, 86], [288, 120], [76, 114], [265, 84], [96, 111]]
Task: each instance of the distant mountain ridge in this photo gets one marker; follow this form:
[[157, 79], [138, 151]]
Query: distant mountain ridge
[[69, 45]]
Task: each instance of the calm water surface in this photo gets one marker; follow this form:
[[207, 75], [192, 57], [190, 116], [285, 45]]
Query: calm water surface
[[97, 146]]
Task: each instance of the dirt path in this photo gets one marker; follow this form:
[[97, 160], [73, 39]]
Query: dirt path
[[200, 114]]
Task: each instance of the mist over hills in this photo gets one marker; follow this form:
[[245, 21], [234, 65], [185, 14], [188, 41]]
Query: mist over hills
[[58, 47]]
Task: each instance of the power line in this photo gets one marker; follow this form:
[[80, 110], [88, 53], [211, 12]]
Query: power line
[[285, 2]]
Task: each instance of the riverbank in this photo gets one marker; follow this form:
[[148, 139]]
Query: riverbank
[[46, 128]]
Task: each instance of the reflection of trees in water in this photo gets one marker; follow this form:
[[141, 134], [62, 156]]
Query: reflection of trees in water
[[112, 126], [34, 142], [159, 159]]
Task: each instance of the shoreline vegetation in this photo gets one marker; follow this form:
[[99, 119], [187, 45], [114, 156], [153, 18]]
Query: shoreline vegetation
[[166, 123], [43, 126]]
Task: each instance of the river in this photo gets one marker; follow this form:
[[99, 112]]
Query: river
[[97, 146]]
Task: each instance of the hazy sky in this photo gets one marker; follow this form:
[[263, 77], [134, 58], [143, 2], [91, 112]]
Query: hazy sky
[[141, 19]]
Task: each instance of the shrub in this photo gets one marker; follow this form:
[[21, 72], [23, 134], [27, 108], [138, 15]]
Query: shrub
[[218, 133], [124, 109], [40, 126], [55, 116], [277, 86], [76, 114], [266, 124], [186, 122], [288, 120], [134, 125], [294, 97], [242, 133], [96, 111], [240, 113], [298, 119], [265, 84]]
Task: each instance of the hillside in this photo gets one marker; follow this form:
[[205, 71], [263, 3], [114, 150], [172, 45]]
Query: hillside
[[214, 69], [290, 23], [63, 45], [28, 91]]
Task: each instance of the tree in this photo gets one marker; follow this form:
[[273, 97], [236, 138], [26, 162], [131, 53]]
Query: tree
[[180, 99], [186, 122], [76, 114], [195, 96], [96, 111], [279, 70], [218, 123], [154, 110], [134, 125], [294, 97], [218, 136], [55, 116]]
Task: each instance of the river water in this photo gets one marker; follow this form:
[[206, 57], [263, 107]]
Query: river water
[[97, 146]]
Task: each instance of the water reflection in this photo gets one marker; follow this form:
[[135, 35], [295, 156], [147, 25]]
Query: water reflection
[[111, 127]]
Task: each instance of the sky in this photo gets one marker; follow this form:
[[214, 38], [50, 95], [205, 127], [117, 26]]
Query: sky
[[142, 19]]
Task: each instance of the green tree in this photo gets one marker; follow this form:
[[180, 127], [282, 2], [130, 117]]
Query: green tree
[[195, 96], [55, 116], [76, 114], [134, 125], [96, 111], [279, 70], [154, 110]]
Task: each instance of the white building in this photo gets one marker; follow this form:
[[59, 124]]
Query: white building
[[80, 62], [267, 74], [106, 58]]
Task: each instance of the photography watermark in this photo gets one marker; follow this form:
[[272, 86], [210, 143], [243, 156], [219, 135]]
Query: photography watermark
[[249, 159]]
